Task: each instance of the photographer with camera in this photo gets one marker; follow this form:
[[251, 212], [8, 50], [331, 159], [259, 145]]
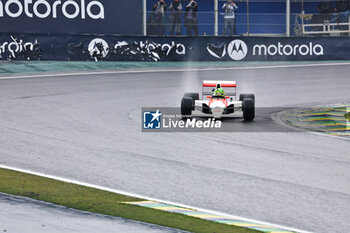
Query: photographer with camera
[[230, 20], [175, 18], [191, 23], [159, 14]]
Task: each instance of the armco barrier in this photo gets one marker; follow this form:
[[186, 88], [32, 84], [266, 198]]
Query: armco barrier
[[129, 48]]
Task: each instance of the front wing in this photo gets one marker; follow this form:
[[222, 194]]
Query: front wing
[[198, 112]]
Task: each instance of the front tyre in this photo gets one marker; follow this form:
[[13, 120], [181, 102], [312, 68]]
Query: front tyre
[[246, 96], [186, 107], [194, 96], [248, 109]]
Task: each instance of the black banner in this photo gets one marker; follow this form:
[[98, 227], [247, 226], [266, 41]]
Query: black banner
[[71, 16], [130, 48]]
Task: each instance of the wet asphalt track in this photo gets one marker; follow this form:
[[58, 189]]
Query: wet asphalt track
[[88, 128], [24, 215]]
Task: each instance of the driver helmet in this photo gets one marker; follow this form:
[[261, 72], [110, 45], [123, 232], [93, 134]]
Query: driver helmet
[[220, 90]]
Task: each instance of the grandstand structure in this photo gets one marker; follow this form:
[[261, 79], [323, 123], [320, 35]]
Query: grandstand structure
[[262, 18]]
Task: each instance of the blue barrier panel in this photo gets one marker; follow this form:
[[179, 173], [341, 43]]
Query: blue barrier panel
[[129, 48], [71, 16]]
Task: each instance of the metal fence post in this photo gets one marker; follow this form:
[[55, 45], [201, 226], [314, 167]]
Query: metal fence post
[[248, 26], [144, 17], [287, 18], [216, 17]]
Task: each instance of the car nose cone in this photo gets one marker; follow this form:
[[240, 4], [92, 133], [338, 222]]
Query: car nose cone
[[217, 111]]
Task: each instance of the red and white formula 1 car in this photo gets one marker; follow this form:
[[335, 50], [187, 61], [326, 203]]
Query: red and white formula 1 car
[[217, 106]]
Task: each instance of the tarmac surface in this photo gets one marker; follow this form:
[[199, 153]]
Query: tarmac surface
[[88, 128], [24, 215]]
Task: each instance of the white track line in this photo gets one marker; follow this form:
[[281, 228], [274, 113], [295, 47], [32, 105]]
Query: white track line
[[148, 198], [170, 70], [330, 136]]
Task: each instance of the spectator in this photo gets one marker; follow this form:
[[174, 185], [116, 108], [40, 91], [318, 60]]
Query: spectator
[[159, 14], [340, 8], [191, 23], [230, 7], [176, 8], [325, 9]]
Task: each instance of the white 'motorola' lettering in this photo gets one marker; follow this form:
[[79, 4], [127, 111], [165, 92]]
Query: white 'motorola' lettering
[[280, 47], [14, 8], [1, 9], [100, 15], [11, 14], [46, 4], [64, 9], [320, 50], [295, 50], [83, 9], [261, 50], [54, 9], [269, 50], [304, 53], [288, 50], [26, 8]]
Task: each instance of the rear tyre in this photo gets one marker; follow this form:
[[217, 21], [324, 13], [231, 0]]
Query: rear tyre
[[245, 96], [194, 96], [248, 109], [186, 107]]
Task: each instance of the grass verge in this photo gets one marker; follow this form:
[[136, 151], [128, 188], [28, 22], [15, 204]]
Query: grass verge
[[102, 202]]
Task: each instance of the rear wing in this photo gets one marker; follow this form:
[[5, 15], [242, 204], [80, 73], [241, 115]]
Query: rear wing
[[228, 86]]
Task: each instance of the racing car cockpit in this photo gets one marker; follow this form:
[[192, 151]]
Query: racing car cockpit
[[217, 97], [219, 91]]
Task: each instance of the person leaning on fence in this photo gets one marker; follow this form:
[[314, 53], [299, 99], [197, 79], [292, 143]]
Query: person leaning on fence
[[230, 22], [159, 14], [191, 23], [342, 9], [175, 18]]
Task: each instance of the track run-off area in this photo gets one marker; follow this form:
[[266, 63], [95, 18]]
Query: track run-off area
[[86, 126]]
